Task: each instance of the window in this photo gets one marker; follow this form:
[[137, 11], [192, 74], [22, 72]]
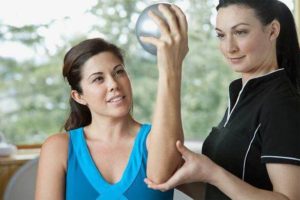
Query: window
[[35, 35]]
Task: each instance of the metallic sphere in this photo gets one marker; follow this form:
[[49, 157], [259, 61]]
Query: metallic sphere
[[145, 26]]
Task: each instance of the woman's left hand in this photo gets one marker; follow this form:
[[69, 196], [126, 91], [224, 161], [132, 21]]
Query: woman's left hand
[[196, 168], [172, 46]]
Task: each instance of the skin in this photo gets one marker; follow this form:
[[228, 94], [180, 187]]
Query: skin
[[250, 49], [106, 90], [247, 45], [172, 47], [106, 87]]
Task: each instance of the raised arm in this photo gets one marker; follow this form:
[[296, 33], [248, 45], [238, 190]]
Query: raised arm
[[172, 47], [50, 182]]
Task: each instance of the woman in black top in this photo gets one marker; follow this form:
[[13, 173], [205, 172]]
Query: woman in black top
[[254, 153]]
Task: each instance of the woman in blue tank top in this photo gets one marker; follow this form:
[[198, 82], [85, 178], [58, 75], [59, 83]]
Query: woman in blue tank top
[[105, 153]]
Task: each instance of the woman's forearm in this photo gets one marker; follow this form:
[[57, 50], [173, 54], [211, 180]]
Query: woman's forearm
[[163, 157], [237, 189]]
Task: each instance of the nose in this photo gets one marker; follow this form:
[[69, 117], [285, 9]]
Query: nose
[[231, 45], [112, 84]]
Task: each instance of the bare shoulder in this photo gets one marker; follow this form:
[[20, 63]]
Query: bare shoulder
[[56, 143], [57, 139], [52, 167], [56, 148]]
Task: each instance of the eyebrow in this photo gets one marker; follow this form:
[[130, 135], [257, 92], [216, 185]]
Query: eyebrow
[[217, 29], [100, 73]]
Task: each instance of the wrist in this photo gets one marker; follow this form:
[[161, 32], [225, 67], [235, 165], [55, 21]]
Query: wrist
[[170, 75], [216, 173]]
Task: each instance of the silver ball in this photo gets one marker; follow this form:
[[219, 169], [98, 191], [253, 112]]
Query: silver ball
[[145, 26]]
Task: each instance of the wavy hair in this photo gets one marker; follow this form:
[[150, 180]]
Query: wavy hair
[[74, 60]]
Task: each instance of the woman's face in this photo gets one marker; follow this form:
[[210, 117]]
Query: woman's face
[[106, 88], [247, 45]]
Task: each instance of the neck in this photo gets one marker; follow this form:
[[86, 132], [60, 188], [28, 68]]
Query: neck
[[261, 71], [111, 129]]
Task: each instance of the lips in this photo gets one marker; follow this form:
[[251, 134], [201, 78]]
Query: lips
[[116, 98], [236, 58]]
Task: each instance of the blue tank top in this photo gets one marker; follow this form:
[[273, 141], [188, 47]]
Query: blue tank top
[[85, 182]]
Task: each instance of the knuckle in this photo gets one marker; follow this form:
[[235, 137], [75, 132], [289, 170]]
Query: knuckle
[[178, 37], [161, 22], [162, 44], [173, 17]]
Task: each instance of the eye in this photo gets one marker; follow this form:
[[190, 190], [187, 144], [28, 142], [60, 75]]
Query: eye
[[98, 79], [240, 32], [119, 72], [220, 35]]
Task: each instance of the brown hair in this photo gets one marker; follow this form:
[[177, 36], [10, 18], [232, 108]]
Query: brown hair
[[287, 46], [74, 59]]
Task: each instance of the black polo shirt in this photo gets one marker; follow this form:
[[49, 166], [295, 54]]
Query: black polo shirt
[[261, 125]]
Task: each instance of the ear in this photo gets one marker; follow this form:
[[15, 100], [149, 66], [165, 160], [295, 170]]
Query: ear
[[274, 29], [78, 97]]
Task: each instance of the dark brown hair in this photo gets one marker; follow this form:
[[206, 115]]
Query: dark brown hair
[[74, 59], [287, 46]]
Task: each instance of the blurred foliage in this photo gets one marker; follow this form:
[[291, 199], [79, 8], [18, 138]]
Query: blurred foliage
[[34, 96]]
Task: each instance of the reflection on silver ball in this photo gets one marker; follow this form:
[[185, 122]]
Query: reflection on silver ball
[[145, 26]]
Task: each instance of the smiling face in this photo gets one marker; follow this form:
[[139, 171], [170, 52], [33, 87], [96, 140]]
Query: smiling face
[[106, 88], [248, 45]]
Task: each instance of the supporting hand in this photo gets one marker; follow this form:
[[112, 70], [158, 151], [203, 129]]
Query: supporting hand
[[196, 168]]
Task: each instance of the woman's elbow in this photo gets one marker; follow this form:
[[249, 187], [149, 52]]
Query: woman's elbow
[[157, 177], [162, 171]]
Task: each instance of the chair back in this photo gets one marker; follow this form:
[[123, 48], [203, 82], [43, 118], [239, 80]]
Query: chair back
[[21, 186]]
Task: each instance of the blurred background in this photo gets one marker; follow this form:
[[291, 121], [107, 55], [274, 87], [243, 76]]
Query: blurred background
[[35, 35]]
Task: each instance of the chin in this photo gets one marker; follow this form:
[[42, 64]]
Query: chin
[[236, 69], [121, 113], [239, 68]]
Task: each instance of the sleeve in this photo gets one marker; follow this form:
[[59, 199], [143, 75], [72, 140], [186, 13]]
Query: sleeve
[[280, 129]]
